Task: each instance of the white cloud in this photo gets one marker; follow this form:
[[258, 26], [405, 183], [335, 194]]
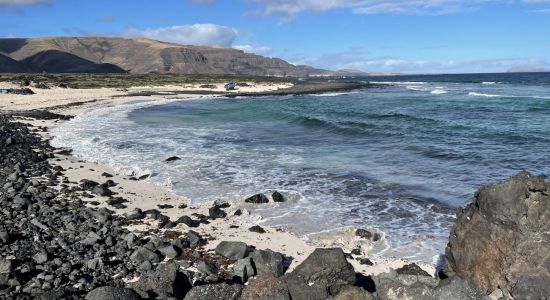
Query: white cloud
[[23, 2], [17, 5], [360, 60], [197, 34], [261, 50], [201, 1], [290, 8]]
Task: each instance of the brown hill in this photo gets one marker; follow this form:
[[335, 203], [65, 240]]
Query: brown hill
[[140, 56], [9, 65]]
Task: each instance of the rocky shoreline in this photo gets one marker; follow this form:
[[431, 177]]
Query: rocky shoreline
[[53, 246]]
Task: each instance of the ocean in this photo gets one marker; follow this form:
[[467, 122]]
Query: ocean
[[399, 158]]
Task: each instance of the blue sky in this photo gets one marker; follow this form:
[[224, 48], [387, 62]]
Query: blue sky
[[408, 36]]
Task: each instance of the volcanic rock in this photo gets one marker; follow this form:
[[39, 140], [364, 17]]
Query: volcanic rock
[[232, 250], [266, 286], [268, 261], [501, 239], [258, 198], [220, 291], [277, 197], [112, 293]]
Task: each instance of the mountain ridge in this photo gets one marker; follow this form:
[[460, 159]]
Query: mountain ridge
[[142, 56]]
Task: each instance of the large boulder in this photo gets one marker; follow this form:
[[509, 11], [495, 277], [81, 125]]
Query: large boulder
[[143, 254], [455, 288], [257, 199], [398, 285], [353, 293], [220, 291], [244, 269], [232, 250], [165, 282], [112, 293], [502, 238], [268, 261], [322, 274]]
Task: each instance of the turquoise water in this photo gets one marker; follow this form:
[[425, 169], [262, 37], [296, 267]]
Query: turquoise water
[[400, 158]]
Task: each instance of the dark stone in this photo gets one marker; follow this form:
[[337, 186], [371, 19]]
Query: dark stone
[[40, 257], [187, 221], [195, 239], [165, 282], [5, 237], [91, 239], [101, 190], [394, 286], [215, 212], [143, 177], [112, 293], [105, 174], [88, 184], [356, 251], [219, 291], [277, 197], [501, 240], [353, 293], [257, 229], [258, 198], [366, 261], [6, 265], [266, 286], [244, 269], [412, 269], [136, 214], [172, 158], [232, 250], [323, 273], [456, 288], [207, 268], [268, 261], [170, 251], [366, 234], [165, 206], [142, 254]]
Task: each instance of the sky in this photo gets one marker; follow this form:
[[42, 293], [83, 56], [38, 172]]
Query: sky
[[399, 36]]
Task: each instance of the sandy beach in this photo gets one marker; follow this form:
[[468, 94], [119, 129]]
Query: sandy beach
[[146, 196]]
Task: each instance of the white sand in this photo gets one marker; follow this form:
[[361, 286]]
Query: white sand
[[147, 196]]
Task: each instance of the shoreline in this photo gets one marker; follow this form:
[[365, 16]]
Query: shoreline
[[140, 196], [148, 196], [77, 229]]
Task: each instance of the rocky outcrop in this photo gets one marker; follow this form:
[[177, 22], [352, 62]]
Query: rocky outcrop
[[502, 240]]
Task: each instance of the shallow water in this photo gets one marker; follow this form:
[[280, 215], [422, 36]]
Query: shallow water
[[400, 159]]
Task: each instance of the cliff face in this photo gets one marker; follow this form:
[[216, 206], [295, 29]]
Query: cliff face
[[142, 56]]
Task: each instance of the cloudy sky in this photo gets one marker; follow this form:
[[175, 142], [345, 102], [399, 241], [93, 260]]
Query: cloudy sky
[[408, 36]]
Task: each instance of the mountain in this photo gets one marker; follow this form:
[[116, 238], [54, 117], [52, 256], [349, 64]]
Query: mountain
[[140, 56], [9, 65], [53, 61]]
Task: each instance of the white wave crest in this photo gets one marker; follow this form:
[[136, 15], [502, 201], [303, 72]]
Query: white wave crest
[[438, 92], [474, 94]]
